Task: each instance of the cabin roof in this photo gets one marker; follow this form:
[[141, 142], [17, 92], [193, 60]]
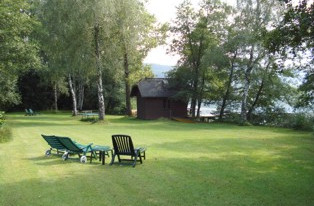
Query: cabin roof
[[153, 87]]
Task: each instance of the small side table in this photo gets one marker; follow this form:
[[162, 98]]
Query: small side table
[[102, 152]]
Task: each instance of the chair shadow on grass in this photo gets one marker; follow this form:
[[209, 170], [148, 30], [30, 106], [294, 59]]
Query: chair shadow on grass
[[55, 159]]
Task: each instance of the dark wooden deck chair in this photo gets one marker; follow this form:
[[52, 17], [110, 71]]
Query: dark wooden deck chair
[[75, 148], [123, 145], [54, 144]]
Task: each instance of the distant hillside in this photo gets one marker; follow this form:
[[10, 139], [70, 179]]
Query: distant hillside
[[160, 70]]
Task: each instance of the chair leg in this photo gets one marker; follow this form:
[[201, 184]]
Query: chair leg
[[140, 158], [99, 153], [119, 158], [135, 159], [112, 159], [102, 157]]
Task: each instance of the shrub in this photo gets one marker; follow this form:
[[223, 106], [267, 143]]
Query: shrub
[[277, 118], [5, 132], [298, 121], [301, 122], [2, 118]]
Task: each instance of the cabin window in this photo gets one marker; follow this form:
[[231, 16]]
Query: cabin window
[[165, 103], [168, 104]]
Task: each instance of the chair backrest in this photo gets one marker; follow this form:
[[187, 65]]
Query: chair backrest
[[122, 144], [69, 144], [53, 141], [31, 111]]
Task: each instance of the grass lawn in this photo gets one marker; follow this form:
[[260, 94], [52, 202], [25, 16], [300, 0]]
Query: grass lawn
[[187, 164]]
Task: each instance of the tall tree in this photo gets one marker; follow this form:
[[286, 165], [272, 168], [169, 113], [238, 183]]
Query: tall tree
[[196, 34], [137, 33], [79, 35], [253, 18], [294, 35], [191, 39], [19, 51]]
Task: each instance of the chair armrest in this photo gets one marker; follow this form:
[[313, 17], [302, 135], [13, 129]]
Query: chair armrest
[[141, 149]]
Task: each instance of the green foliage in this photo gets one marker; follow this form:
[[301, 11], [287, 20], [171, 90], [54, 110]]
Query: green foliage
[[295, 30], [19, 50], [8, 91], [279, 118], [2, 118], [5, 132], [294, 34], [306, 98], [301, 122]]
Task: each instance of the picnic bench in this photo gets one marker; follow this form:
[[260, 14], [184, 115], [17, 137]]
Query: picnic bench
[[88, 114], [208, 117]]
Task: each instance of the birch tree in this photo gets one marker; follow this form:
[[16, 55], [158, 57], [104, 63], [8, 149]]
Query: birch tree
[[137, 34]]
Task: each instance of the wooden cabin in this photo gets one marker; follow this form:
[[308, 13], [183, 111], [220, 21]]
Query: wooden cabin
[[155, 100]]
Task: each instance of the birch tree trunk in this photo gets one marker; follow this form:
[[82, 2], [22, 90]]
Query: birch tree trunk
[[101, 101], [55, 92], [201, 93], [73, 94], [247, 82]]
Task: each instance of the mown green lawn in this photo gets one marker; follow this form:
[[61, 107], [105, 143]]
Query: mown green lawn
[[187, 164]]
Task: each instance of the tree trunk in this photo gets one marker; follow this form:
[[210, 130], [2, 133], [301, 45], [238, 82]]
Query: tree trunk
[[200, 97], [195, 91], [244, 97], [55, 91], [127, 85], [226, 96], [259, 92], [80, 96], [101, 101], [199, 105], [193, 106], [72, 90], [247, 86]]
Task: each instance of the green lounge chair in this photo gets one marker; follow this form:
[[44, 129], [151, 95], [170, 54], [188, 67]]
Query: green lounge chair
[[75, 148], [32, 112], [54, 144], [27, 113], [123, 145]]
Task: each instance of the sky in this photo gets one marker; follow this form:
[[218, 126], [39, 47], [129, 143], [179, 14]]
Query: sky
[[165, 11]]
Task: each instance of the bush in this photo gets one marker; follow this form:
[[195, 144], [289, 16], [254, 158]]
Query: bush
[[301, 122], [278, 118], [231, 118], [2, 117], [5, 132]]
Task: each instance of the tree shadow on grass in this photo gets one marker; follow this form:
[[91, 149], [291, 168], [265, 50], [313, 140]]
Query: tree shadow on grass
[[166, 180]]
